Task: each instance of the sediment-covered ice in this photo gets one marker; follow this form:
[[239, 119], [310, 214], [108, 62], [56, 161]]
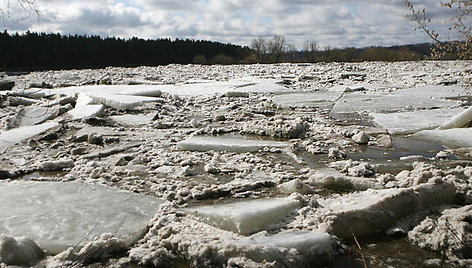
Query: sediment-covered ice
[[374, 211], [11, 137], [246, 217], [60, 215], [36, 115], [230, 143], [451, 138], [409, 122]]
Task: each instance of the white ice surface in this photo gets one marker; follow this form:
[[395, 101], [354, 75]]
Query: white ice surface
[[11, 137], [83, 99], [60, 215], [452, 138], [246, 217], [84, 111], [230, 143], [250, 84], [120, 102], [409, 122], [461, 120], [413, 98]]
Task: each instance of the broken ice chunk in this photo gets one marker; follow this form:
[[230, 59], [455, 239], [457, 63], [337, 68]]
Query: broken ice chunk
[[246, 217], [460, 120], [85, 111], [230, 143], [17, 135], [301, 240], [408, 122], [452, 138], [374, 211], [59, 215], [121, 102], [37, 115]]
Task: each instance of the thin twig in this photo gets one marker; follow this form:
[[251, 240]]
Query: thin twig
[[360, 249]]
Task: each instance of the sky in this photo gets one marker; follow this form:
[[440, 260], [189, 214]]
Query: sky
[[329, 23]]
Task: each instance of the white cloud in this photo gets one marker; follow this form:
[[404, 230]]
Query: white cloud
[[335, 23]]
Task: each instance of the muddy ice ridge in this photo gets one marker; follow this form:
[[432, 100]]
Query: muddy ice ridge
[[252, 161]]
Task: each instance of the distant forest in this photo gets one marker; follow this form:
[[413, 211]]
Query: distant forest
[[44, 51]]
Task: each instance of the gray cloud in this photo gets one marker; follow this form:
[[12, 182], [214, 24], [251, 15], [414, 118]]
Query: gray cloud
[[335, 23]]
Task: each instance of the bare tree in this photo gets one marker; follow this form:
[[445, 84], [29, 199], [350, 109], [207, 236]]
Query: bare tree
[[259, 46], [277, 47], [458, 24], [17, 10], [309, 49]]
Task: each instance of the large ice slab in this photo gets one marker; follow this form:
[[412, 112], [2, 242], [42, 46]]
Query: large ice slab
[[60, 215], [120, 102], [230, 143], [409, 122], [374, 211], [412, 98], [11, 137], [451, 138], [246, 217]]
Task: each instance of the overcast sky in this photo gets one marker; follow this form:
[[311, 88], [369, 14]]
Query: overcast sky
[[333, 23]]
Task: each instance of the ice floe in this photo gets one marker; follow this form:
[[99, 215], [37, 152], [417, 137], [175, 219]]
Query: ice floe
[[451, 138], [246, 217], [60, 215], [11, 137], [409, 122], [230, 143]]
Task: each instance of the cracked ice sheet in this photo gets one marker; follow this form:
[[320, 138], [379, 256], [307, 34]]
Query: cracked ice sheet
[[37, 115], [11, 137], [413, 98], [452, 138], [230, 143], [409, 122], [59, 215]]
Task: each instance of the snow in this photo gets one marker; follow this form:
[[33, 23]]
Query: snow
[[409, 122], [230, 143], [19, 250], [246, 217], [60, 215], [84, 111], [451, 138], [11, 137]]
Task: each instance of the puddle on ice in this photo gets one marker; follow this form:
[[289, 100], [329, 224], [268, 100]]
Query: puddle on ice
[[60, 215]]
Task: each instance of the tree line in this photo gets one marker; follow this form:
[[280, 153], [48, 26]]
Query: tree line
[[41, 51], [35, 51]]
